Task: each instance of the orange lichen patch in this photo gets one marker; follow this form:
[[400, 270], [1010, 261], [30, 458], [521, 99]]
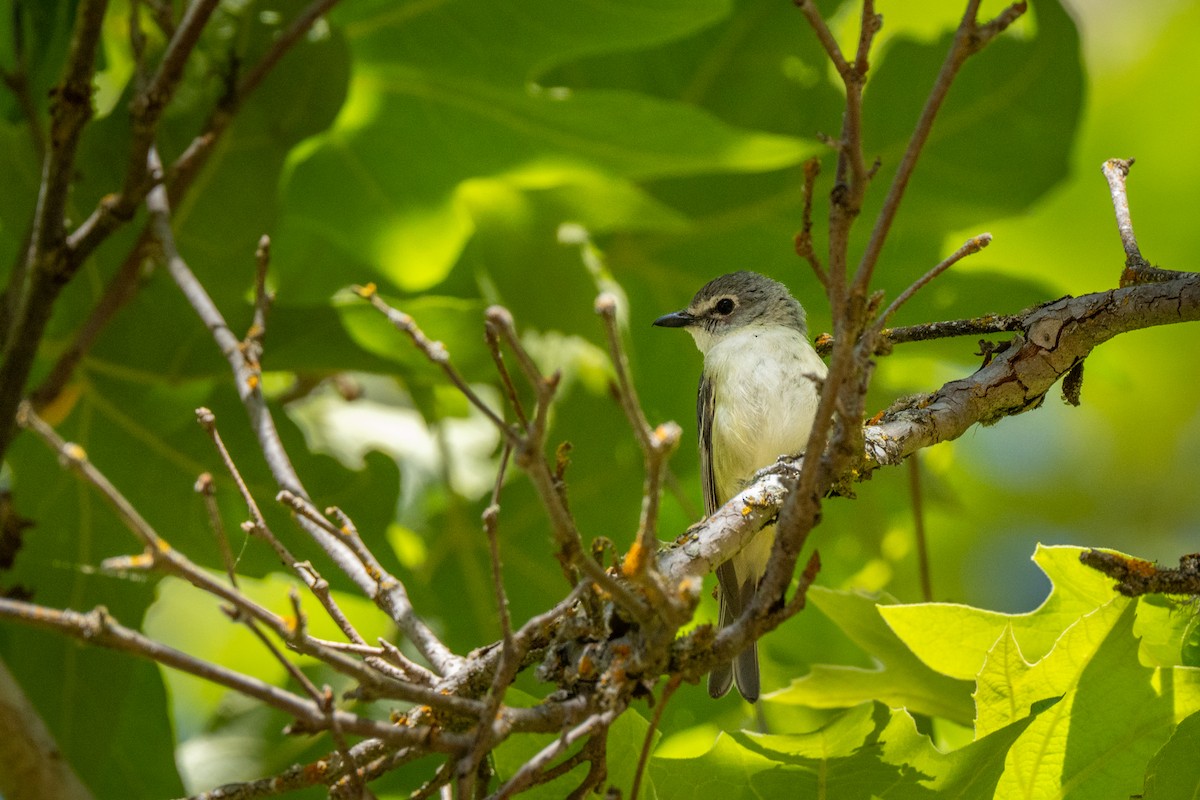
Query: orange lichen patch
[[632, 563], [365, 292], [1140, 567], [162, 545], [746, 510], [252, 381], [74, 452], [316, 771], [139, 562], [875, 419], [587, 667]]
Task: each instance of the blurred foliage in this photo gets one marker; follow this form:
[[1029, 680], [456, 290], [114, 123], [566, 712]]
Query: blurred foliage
[[436, 147]]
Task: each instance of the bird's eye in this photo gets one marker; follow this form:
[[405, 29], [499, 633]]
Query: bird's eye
[[724, 306]]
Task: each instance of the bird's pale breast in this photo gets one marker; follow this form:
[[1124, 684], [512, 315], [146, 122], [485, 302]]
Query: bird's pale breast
[[765, 402]]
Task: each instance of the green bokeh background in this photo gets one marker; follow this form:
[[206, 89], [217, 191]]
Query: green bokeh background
[[436, 148]]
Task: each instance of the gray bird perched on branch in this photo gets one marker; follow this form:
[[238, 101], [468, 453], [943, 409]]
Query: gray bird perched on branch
[[758, 396]]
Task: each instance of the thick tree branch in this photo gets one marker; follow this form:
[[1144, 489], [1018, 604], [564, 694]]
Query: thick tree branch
[[1055, 337]]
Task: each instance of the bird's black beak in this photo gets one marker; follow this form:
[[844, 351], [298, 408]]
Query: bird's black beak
[[677, 319]]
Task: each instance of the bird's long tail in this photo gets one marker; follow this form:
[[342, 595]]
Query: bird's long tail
[[743, 670]]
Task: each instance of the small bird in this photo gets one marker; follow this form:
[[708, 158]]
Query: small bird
[[758, 396]]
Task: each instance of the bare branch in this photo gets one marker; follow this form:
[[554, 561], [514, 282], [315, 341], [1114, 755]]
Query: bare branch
[[1056, 337], [435, 352], [969, 39], [146, 110], [323, 771], [207, 491], [98, 628], [657, 445], [804, 242], [527, 775], [1137, 269], [970, 247], [47, 267], [1136, 577], [124, 284], [387, 592], [1116, 170]]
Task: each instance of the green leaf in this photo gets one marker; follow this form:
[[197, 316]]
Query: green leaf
[[898, 679], [1095, 742], [1174, 771], [1075, 591], [1164, 626], [842, 759], [969, 772], [1003, 87], [1008, 686]]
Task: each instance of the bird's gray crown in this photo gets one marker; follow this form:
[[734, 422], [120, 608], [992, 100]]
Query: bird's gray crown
[[745, 298]]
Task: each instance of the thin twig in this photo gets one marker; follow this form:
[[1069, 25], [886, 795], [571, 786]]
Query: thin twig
[[173, 562], [207, 491], [98, 628], [434, 351], [509, 658], [492, 335], [344, 530], [527, 774], [530, 457], [388, 593], [644, 756], [970, 247], [323, 771], [253, 343], [146, 111], [918, 508], [606, 308], [490, 516], [1116, 170], [804, 242], [124, 284], [656, 444], [258, 527]]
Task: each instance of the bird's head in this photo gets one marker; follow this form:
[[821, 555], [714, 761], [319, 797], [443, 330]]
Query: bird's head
[[734, 302]]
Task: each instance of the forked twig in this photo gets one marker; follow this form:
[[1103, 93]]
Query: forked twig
[[387, 592], [970, 247]]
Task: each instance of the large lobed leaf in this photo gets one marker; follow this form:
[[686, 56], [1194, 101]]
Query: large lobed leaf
[[1088, 719]]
